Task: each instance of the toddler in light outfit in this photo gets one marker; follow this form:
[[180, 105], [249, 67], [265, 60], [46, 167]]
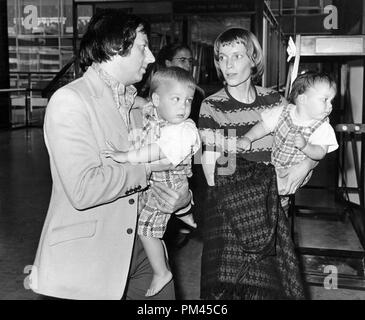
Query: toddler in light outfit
[[167, 133], [301, 129]]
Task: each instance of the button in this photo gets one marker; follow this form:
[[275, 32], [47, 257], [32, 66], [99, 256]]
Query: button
[[129, 230], [131, 201]]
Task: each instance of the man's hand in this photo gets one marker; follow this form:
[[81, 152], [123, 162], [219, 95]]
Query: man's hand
[[169, 200], [295, 175]]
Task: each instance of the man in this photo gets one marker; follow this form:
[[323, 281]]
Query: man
[[88, 248]]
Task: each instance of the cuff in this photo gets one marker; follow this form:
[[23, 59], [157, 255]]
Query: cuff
[[183, 211]]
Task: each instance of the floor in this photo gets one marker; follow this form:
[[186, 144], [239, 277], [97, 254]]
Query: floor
[[25, 186]]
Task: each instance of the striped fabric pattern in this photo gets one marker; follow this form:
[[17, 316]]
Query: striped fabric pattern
[[223, 120]]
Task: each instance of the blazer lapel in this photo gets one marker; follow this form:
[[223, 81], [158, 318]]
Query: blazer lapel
[[105, 101]]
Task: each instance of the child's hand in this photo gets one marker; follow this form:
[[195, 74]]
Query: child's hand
[[300, 142], [113, 153], [244, 144], [117, 156]]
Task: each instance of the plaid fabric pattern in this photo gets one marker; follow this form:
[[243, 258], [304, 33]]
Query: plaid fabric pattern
[[284, 153], [248, 253], [152, 222], [123, 96]]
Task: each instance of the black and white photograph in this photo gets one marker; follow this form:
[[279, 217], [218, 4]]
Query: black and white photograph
[[182, 155]]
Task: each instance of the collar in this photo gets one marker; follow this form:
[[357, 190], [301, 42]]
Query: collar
[[129, 92], [123, 96]]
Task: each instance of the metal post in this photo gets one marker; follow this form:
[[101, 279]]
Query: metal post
[[75, 36], [27, 107], [362, 161], [5, 102]]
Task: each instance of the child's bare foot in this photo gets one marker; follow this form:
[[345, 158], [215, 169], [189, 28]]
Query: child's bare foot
[[158, 283], [188, 219]]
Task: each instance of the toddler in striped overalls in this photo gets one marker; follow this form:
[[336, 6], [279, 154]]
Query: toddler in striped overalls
[[301, 129]]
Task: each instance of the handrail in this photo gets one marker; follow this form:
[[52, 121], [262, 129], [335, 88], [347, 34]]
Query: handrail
[[58, 76], [20, 90], [33, 72], [12, 90]]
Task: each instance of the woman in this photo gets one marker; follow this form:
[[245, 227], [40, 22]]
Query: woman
[[247, 252], [180, 55]]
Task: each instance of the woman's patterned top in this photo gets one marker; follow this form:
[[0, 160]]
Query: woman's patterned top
[[223, 120]]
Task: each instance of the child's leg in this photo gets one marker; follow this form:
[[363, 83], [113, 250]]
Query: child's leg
[[281, 181], [155, 252], [187, 218]]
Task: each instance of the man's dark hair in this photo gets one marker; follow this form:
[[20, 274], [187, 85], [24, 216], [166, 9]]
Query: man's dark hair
[[109, 32], [308, 80]]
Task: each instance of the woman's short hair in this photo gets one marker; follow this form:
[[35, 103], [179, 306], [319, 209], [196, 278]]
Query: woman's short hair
[[168, 52], [166, 75], [307, 80], [109, 32], [252, 45]]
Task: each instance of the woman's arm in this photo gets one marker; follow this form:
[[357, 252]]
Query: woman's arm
[[258, 131]]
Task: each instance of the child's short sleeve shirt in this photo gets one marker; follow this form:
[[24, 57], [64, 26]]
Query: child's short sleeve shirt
[[324, 135], [178, 141]]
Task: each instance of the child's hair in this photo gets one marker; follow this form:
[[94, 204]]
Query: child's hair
[[308, 80], [164, 75], [252, 45]]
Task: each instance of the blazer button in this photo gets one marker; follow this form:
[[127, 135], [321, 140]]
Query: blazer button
[[129, 230], [131, 201]]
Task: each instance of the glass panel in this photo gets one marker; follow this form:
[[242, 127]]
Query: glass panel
[[67, 15], [288, 4], [39, 17], [309, 4], [205, 29], [84, 13], [17, 116], [12, 21]]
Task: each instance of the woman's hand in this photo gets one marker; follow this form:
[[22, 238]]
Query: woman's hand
[[169, 200], [244, 144], [295, 175]]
